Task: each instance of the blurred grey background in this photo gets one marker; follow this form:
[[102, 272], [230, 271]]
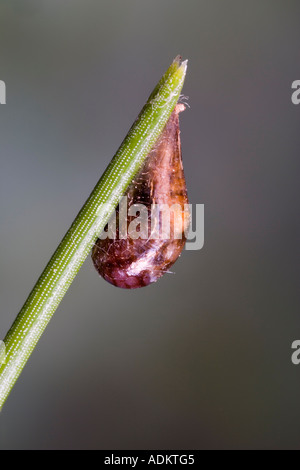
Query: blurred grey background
[[202, 359]]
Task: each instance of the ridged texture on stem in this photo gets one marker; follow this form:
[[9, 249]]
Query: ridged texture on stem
[[77, 243]]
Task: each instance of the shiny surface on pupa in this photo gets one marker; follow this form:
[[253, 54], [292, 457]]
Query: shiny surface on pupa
[[131, 263]]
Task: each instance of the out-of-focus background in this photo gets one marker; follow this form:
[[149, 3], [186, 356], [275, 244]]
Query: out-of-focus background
[[202, 359]]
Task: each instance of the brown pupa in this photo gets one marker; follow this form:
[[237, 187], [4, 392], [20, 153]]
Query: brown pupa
[[136, 262]]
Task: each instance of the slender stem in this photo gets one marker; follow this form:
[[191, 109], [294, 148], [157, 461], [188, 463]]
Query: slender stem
[[77, 243]]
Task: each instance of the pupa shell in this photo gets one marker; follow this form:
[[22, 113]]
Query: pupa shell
[[136, 262]]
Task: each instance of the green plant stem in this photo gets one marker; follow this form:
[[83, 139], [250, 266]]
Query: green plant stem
[[77, 243]]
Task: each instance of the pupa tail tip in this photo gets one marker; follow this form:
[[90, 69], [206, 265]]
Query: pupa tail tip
[[180, 107]]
